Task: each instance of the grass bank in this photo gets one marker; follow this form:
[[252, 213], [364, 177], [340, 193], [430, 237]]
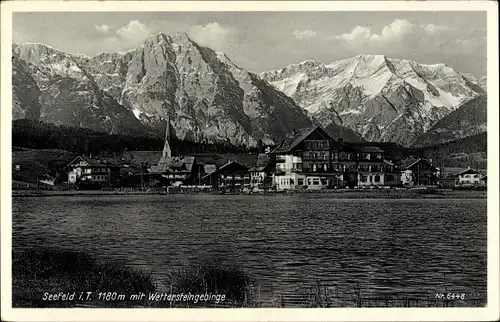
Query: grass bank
[[36, 272]]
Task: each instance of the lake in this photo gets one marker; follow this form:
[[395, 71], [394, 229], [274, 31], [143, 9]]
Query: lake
[[397, 247]]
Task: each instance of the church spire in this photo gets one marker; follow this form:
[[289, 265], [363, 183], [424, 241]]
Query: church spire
[[166, 148]]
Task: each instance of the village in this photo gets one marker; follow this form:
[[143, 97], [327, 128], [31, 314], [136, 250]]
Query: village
[[307, 159]]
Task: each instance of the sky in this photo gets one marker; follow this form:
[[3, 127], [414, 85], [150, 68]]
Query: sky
[[261, 41]]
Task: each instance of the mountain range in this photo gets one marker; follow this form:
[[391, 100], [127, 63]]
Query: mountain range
[[383, 99], [210, 99], [206, 96]]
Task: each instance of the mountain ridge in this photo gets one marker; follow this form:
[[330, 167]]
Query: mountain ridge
[[207, 96], [210, 99], [382, 98]]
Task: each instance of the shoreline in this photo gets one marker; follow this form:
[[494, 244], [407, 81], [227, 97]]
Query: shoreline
[[339, 193]]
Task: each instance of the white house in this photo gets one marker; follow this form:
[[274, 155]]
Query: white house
[[469, 177]]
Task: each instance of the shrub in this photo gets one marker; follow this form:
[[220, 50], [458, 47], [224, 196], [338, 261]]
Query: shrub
[[35, 271], [214, 278]]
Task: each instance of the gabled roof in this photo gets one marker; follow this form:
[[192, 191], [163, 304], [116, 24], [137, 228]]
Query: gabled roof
[[456, 170], [233, 163], [468, 171], [220, 159], [226, 166], [181, 163], [96, 162], [291, 141], [411, 161]]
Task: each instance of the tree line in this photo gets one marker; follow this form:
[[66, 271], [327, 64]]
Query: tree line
[[39, 135]]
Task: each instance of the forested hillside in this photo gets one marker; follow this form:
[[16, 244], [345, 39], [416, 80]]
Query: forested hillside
[[38, 135], [468, 151]]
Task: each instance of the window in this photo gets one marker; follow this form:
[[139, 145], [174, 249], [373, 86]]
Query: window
[[301, 182], [364, 178], [315, 181], [325, 167], [324, 182], [377, 178], [314, 168], [309, 181]]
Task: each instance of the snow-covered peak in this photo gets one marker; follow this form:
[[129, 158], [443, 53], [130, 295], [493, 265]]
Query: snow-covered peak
[[371, 91], [39, 48]]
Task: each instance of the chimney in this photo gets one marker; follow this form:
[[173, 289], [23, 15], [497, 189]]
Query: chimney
[[167, 152]]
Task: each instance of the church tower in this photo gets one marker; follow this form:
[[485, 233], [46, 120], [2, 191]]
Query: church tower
[[167, 152]]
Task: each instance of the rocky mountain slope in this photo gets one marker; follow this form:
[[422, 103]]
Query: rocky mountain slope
[[208, 98], [381, 98], [469, 119]]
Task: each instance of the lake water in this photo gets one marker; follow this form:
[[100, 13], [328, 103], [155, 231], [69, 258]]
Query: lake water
[[404, 247]]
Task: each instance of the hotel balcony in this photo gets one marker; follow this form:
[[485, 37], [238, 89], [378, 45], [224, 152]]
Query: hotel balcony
[[317, 158]]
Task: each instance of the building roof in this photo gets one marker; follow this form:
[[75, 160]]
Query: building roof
[[219, 160], [175, 164], [98, 163], [457, 170], [227, 167], [468, 171], [233, 164], [411, 161], [292, 140]]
